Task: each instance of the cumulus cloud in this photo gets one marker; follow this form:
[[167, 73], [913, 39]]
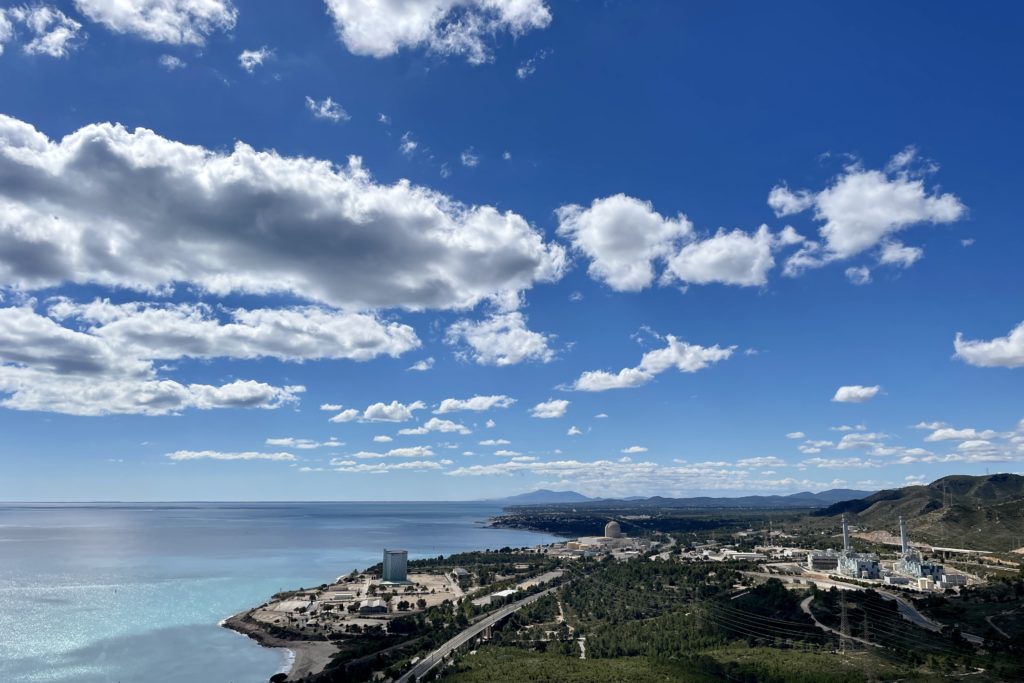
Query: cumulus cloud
[[864, 208], [250, 59], [626, 241], [406, 452], [469, 158], [171, 331], [302, 444], [859, 275], [681, 355], [634, 449], [171, 63], [950, 434], [380, 412], [574, 431], [841, 463], [163, 21], [422, 365], [1000, 352], [82, 211], [383, 468], [48, 367], [855, 393], [445, 27], [861, 440], [731, 258], [623, 237], [495, 442], [476, 403], [503, 453], [382, 438], [502, 339], [327, 109], [435, 424], [550, 409], [219, 455], [52, 33], [795, 435]]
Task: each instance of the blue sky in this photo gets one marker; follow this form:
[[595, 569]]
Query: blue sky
[[661, 248]]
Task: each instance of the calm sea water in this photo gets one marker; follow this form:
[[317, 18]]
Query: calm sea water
[[130, 593]]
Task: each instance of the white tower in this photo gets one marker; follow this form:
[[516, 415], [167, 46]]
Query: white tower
[[846, 536], [904, 544]]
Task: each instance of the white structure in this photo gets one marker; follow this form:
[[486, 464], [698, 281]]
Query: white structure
[[911, 563], [612, 530], [857, 565], [396, 564]]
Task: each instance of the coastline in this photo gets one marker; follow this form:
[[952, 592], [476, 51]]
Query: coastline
[[305, 657]]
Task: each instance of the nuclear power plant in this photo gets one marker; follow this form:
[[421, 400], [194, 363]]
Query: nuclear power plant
[[396, 566], [911, 564]]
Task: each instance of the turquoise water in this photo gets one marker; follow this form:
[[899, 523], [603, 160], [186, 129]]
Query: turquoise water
[[119, 593]]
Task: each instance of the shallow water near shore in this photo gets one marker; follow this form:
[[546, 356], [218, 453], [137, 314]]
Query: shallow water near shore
[[118, 593]]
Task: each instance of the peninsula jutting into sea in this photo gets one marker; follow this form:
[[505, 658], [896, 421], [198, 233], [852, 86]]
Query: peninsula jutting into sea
[[667, 588]]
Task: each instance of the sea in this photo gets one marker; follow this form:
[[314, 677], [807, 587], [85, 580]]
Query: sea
[[126, 593]]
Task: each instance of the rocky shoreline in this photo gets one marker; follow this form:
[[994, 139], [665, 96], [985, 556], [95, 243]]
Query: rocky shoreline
[[308, 657]]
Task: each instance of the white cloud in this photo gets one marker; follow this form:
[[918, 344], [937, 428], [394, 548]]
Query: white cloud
[[760, 462], [529, 67], [495, 442], [164, 21], [476, 403], [469, 158], [814, 446], [601, 416], [574, 431], [384, 468], [171, 63], [550, 409], [408, 145], [950, 434], [218, 455], [327, 109], [967, 242], [423, 365], [172, 331], [250, 59], [446, 27], [382, 438], [1001, 352], [855, 393], [841, 463], [896, 254], [634, 449], [332, 407], [859, 275], [48, 367], [491, 424], [848, 428], [863, 208], [623, 237], [930, 426], [346, 416], [860, 440], [435, 424], [52, 32], [731, 258], [502, 339], [406, 452], [302, 444], [795, 435], [683, 356], [392, 412], [248, 221], [507, 454]]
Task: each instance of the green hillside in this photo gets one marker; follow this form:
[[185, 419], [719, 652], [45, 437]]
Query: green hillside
[[984, 512]]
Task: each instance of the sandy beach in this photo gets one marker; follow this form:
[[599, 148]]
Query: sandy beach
[[309, 657]]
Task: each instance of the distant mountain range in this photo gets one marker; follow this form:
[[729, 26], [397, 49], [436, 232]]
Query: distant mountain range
[[543, 497], [984, 512], [804, 499]]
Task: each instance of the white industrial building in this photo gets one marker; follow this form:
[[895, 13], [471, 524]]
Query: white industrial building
[[396, 566], [856, 565]]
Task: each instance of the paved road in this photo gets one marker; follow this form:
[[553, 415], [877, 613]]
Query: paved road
[[424, 666], [805, 605]]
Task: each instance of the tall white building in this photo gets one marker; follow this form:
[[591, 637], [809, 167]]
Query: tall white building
[[396, 565]]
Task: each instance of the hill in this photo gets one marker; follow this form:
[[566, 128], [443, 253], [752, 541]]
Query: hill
[[804, 499], [983, 512], [543, 497]]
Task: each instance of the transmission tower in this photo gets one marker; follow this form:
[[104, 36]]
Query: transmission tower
[[844, 624]]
